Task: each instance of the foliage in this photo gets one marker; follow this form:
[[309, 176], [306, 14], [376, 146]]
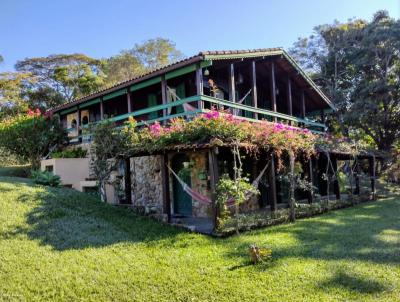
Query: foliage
[[77, 152], [357, 64], [220, 126], [107, 145], [45, 178], [30, 136], [15, 170], [11, 93], [142, 58], [73, 237], [66, 76]]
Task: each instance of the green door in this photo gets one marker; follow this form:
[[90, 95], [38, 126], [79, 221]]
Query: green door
[[182, 201], [151, 102]]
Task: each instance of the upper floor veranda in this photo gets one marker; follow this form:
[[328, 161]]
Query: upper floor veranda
[[264, 84]]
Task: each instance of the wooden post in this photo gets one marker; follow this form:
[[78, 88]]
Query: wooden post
[[232, 94], [78, 125], [357, 178], [289, 99], [128, 100], [101, 109], [213, 170], [273, 89], [199, 84], [322, 116], [128, 183], [336, 187], [311, 180], [303, 104], [373, 175], [254, 87], [272, 183], [164, 96], [165, 187]]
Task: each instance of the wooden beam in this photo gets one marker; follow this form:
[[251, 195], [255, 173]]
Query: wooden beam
[[336, 187], [273, 88], [101, 109], [311, 180], [272, 183], [199, 85], [128, 182], [289, 98], [232, 94], [303, 104], [164, 96], [254, 86], [165, 186], [213, 171], [128, 100]]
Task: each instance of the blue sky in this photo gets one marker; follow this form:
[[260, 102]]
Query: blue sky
[[102, 28]]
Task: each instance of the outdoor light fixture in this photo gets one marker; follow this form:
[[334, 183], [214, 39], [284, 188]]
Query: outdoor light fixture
[[240, 78], [206, 72]]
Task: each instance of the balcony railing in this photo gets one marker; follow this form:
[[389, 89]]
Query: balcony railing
[[244, 111]]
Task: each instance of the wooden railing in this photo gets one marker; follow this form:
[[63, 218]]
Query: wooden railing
[[237, 109]]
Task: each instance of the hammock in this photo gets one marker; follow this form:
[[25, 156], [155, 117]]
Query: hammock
[[186, 107], [201, 198]]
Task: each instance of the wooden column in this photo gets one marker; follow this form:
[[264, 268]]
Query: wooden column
[[128, 100], [165, 186], [128, 182], [373, 176], [289, 98], [101, 109], [232, 94], [272, 183], [357, 178], [273, 88], [214, 177], [78, 125], [199, 85], [254, 87], [322, 116], [336, 187], [311, 180], [164, 96], [303, 104]]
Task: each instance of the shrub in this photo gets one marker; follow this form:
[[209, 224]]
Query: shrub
[[70, 153], [30, 136], [45, 178]]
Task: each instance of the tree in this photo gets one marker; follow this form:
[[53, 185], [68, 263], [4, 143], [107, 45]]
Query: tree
[[67, 75], [122, 67], [107, 145], [11, 97], [143, 57], [31, 136], [357, 64]]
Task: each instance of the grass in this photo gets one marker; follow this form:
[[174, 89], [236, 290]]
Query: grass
[[61, 245]]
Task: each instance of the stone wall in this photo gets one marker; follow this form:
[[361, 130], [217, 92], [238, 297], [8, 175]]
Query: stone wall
[[146, 180]]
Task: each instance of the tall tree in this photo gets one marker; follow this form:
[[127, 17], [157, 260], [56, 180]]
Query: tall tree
[[68, 75], [11, 93], [142, 58], [357, 65]]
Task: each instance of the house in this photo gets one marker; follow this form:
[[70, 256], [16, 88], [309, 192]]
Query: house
[[261, 84]]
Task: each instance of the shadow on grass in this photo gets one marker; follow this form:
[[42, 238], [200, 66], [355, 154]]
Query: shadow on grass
[[346, 281], [66, 219]]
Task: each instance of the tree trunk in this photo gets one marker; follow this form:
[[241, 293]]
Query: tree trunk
[[103, 194]]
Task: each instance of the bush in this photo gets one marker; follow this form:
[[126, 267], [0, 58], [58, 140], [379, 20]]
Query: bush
[[45, 178], [70, 153], [30, 136]]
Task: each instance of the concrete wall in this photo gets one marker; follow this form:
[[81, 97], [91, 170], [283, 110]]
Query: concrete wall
[[71, 170]]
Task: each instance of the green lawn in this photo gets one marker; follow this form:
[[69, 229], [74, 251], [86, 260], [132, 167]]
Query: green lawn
[[60, 245]]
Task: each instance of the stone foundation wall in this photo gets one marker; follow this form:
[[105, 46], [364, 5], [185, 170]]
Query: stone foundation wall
[[146, 180]]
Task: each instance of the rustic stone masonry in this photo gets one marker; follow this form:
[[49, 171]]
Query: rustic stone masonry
[[146, 181]]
